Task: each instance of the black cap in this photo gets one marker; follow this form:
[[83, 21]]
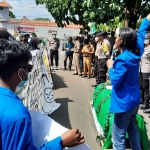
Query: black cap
[[101, 33], [86, 41]]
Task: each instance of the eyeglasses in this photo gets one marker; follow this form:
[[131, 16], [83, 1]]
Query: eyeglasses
[[28, 67]]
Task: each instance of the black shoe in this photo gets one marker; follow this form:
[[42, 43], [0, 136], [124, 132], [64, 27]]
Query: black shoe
[[80, 75], [94, 85], [147, 111], [84, 76], [149, 116], [69, 69], [65, 69], [56, 67], [88, 77], [144, 107], [75, 74]]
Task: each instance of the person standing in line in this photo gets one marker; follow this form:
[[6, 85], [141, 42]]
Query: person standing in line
[[68, 49], [103, 54], [125, 96], [87, 51], [54, 46], [77, 55], [144, 75]]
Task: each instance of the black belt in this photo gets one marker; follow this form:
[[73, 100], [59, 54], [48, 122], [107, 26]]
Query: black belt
[[77, 52], [87, 56]]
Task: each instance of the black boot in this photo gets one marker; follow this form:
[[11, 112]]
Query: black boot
[[65, 68], [143, 107]]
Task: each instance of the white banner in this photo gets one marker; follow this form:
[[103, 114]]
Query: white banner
[[45, 129], [37, 94]]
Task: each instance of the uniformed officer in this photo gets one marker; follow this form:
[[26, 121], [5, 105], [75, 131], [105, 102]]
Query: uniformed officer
[[77, 55], [87, 51], [103, 49]]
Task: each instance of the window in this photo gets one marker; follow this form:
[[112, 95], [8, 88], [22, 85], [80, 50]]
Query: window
[[1, 8]]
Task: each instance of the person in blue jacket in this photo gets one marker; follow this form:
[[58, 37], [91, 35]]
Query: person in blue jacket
[[123, 74], [15, 120]]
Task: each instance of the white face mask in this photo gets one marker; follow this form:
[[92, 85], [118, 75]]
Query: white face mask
[[146, 41], [96, 39]]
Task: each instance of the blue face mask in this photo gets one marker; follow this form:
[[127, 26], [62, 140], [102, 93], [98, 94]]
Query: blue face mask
[[22, 83]]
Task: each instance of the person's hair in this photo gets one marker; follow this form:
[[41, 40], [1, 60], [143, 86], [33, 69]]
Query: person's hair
[[34, 43], [112, 33], [76, 38], [4, 34], [129, 40], [86, 41], [11, 54]]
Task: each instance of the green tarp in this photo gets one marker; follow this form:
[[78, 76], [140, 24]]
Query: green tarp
[[101, 102]]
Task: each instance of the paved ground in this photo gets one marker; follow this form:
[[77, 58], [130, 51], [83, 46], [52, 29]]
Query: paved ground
[[74, 94]]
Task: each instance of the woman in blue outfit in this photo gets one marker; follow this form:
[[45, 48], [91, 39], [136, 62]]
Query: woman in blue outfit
[[123, 73], [15, 120]]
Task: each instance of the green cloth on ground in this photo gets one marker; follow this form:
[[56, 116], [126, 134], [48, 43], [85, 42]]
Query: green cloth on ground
[[101, 102]]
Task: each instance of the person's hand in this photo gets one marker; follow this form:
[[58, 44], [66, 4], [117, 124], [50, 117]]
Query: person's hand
[[72, 138], [110, 63], [148, 17]]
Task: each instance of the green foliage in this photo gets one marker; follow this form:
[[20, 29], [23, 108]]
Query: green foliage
[[43, 19], [99, 11], [11, 15]]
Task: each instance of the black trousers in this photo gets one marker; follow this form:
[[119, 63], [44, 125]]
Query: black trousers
[[54, 53], [70, 55], [144, 87], [101, 70]]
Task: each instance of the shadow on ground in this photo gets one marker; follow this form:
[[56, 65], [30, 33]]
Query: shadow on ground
[[58, 81], [61, 115]]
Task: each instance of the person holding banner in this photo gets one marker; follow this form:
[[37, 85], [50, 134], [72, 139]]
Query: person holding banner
[[123, 74], [15, 120]]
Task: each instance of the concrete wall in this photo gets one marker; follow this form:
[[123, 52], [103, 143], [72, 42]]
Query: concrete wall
[[43, 31], [4, 14]]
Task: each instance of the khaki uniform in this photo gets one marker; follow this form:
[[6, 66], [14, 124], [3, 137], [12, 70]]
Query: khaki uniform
[[87, 58], [77, 54]]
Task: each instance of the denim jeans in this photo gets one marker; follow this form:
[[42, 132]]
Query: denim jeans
[[125, 122]]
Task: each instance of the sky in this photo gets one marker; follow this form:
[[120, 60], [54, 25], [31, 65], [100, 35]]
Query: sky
[[29, 9]]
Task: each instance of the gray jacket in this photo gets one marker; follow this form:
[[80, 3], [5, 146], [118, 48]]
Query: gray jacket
[[145, 61]]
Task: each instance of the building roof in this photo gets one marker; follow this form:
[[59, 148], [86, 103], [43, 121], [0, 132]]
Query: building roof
[[5, 4], [40, 23]]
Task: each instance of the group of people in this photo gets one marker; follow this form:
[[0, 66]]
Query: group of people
[[85, 53], [126, 60], [15, 120]]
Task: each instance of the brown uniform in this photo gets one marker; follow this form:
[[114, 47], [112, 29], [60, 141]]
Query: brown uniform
[[87, 51], [77, 53]]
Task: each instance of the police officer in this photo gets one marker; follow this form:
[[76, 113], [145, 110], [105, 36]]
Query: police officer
[[77, 55], [54, 46], [144, 76], [103, 53]]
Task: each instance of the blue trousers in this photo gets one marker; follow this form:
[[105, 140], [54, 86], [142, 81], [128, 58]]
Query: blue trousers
[[125, 123]]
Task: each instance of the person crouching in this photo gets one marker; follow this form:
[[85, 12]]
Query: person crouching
[[87, 51]]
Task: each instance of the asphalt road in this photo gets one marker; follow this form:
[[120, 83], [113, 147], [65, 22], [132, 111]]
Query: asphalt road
[[74, 94]]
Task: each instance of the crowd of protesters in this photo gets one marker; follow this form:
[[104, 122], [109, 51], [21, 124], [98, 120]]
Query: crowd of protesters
[[15, 120], [90, 54]]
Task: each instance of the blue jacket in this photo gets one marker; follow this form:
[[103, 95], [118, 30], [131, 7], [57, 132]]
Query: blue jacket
[[15, 125], [124, 76], [70, 46]]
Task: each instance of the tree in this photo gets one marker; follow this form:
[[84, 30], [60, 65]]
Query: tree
[[43, 19], [99, 11], [11, 15]]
